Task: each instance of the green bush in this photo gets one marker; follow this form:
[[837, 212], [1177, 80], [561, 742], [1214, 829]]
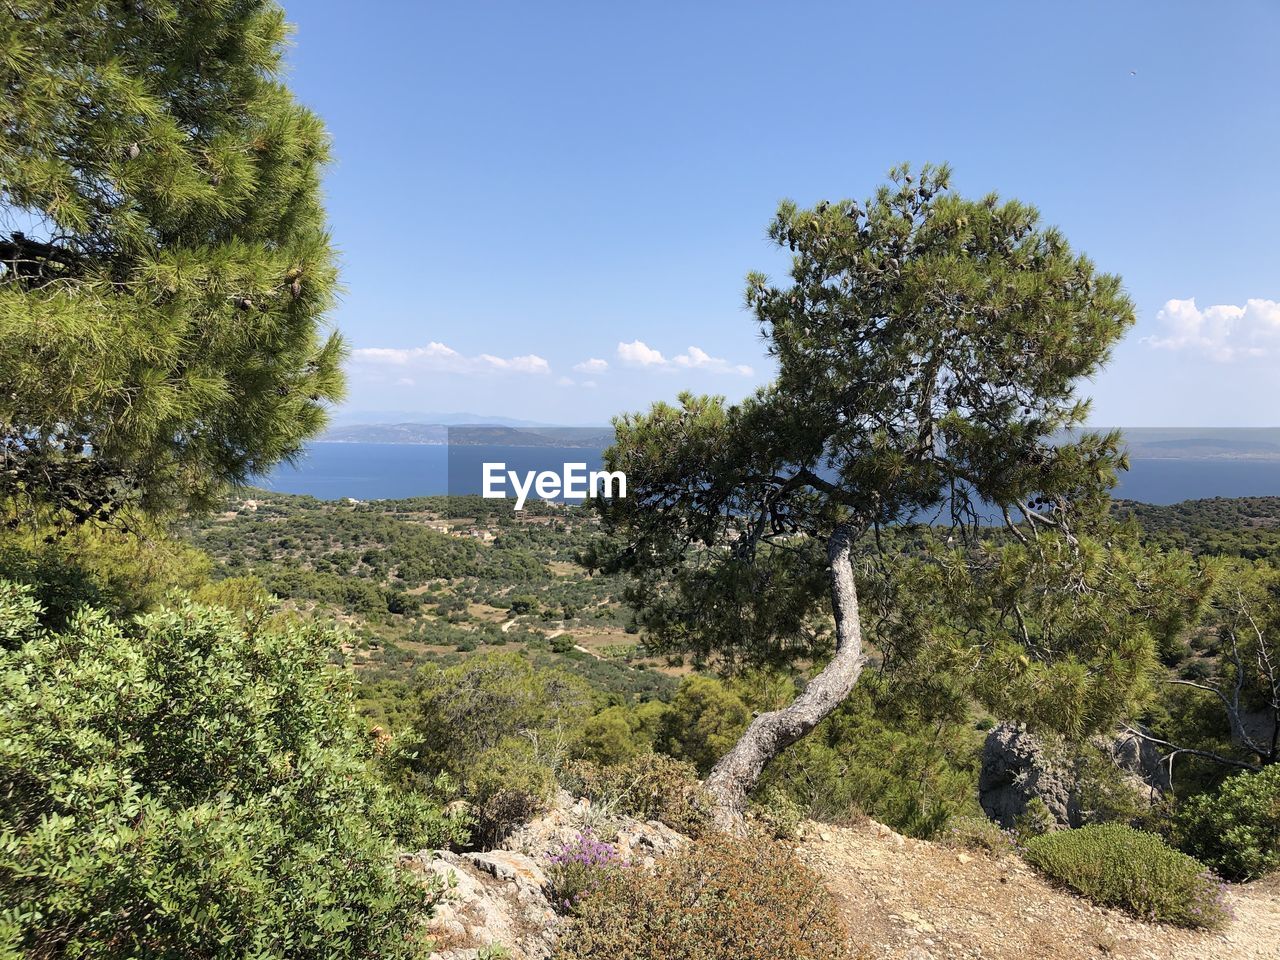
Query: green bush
[[704, 721], [618, 733], [181, 787], [1235, 830], [501, 727], [651, 786], [977, 833], [1115, 865], [721, 899], [778, 812]]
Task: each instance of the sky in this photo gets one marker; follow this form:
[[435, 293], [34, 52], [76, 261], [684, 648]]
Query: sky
[[547, 210]]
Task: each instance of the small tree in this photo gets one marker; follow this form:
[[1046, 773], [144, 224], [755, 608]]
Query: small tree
[[1243, 678], [928, 350], [164, 263]]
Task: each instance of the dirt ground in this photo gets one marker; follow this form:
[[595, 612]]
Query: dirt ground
[[914, 900]]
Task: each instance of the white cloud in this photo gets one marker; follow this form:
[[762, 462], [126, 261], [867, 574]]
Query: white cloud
[[637, 353], [565, 381], [696, 358], [437, 357], [1223, 332], [640, 354], [593, 365]]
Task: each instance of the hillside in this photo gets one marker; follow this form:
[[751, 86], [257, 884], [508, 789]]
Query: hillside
[[917, 900], [1220, 526], [897, 898]]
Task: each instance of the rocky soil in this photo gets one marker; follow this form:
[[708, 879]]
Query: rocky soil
[[902, 899], [915, 900]]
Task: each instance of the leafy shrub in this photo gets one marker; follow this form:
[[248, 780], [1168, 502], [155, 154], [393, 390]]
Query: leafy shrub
[[719, 899], [778, 811], [650, 786], [501, 727], [977, 833], [619, 733], [1115, 865], [186, 788], [577, 869], [509, 785], [1237, 829], [705, 720]]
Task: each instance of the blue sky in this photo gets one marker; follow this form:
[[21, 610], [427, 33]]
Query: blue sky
[[546, 210]]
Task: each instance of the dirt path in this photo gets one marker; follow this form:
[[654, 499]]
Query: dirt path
[[913, 900]]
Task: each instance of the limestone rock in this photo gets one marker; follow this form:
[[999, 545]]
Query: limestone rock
[[496, 897], [1018, 767], [500, 897]]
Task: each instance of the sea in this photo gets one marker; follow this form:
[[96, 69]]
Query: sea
[[392, 471]]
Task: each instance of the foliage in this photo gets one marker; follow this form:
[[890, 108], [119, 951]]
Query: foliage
[[1235, 830], [650, 786], [1115, 865], [121, 571], [977, 833], [577, 869], [1036, 820], [881, 754], [704, 721], [1245, 527], [779, 813], [928, 349], [186, 787], [501, 726], [619, 733], [160, 309], [720, 899]]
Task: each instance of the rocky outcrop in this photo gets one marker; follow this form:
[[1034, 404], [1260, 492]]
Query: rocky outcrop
[[497, 898], [501, 897], [639, 842], [1019, 767], [1015, 770]]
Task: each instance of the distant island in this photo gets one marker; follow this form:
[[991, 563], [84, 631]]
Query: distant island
[[1144, 443], [471, 435], [1202, 443]]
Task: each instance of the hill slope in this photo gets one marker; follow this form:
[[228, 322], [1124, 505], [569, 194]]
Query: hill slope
[[916, 900]]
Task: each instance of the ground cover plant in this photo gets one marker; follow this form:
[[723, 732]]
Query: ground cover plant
[[1115, 865]]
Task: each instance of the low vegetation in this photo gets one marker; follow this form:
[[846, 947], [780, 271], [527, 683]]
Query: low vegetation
[[1115, 865], [722, 899], [1235, 830], [179, 786]]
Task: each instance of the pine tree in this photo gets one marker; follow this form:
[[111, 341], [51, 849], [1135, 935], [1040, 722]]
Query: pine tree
[[928, 351], [164, 261]]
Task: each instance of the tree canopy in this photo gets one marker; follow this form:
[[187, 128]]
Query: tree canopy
[[165, 264], [928, 349]]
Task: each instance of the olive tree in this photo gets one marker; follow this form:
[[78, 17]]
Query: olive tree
[[928, 351]]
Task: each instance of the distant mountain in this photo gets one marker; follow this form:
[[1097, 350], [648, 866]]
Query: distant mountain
[[471, 434], [1203, 443], [353, 418], [436, 433]]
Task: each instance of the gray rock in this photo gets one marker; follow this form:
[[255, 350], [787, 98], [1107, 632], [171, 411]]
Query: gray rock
[[1018, 767], [501, 896], [493, 898]]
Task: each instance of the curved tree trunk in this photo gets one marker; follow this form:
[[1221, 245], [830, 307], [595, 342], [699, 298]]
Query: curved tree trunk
[[738, 771]]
